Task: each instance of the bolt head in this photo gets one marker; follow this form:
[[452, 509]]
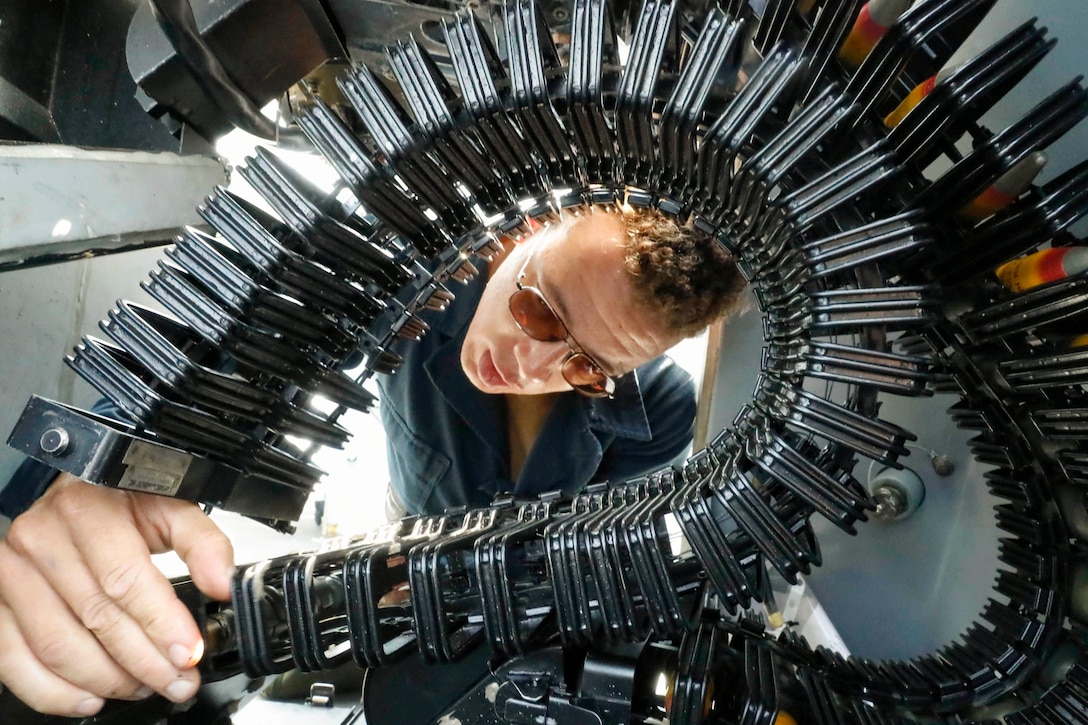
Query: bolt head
[[55, 441], [890, 503]]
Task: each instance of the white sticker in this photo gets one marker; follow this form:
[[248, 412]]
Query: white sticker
[[154, 469], [157, 458], [147, 480]]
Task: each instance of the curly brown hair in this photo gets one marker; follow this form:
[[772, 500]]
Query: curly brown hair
[[679, 271]]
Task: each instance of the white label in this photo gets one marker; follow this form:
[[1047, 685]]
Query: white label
[[154, 469], [157, 458], [150, 481]]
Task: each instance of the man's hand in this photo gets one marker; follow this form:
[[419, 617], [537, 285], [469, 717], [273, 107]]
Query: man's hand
[[86, 615]]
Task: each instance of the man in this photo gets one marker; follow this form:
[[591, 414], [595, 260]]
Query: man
[[84, 613], [485, 403]]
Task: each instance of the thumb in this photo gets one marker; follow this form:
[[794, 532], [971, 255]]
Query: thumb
[[205, 549]]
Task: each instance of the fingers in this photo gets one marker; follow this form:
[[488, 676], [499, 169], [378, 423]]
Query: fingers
[[125, 588], [35, 684], [400, 594], [206, 550], [57, 640], [85, 602]]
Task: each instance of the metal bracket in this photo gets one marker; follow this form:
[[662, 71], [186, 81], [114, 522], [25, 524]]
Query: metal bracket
[[110, 453]]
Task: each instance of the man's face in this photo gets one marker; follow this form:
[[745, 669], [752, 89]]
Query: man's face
[[579, 269]]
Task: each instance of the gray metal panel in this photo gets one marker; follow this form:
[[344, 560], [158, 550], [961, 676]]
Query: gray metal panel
[[62, 200], [896, 589], [904, 588]]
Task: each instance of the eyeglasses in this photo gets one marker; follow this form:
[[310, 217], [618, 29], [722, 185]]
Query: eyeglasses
[[537, 319]]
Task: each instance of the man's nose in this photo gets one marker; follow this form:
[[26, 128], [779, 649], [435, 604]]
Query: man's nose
[[538, 360]]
